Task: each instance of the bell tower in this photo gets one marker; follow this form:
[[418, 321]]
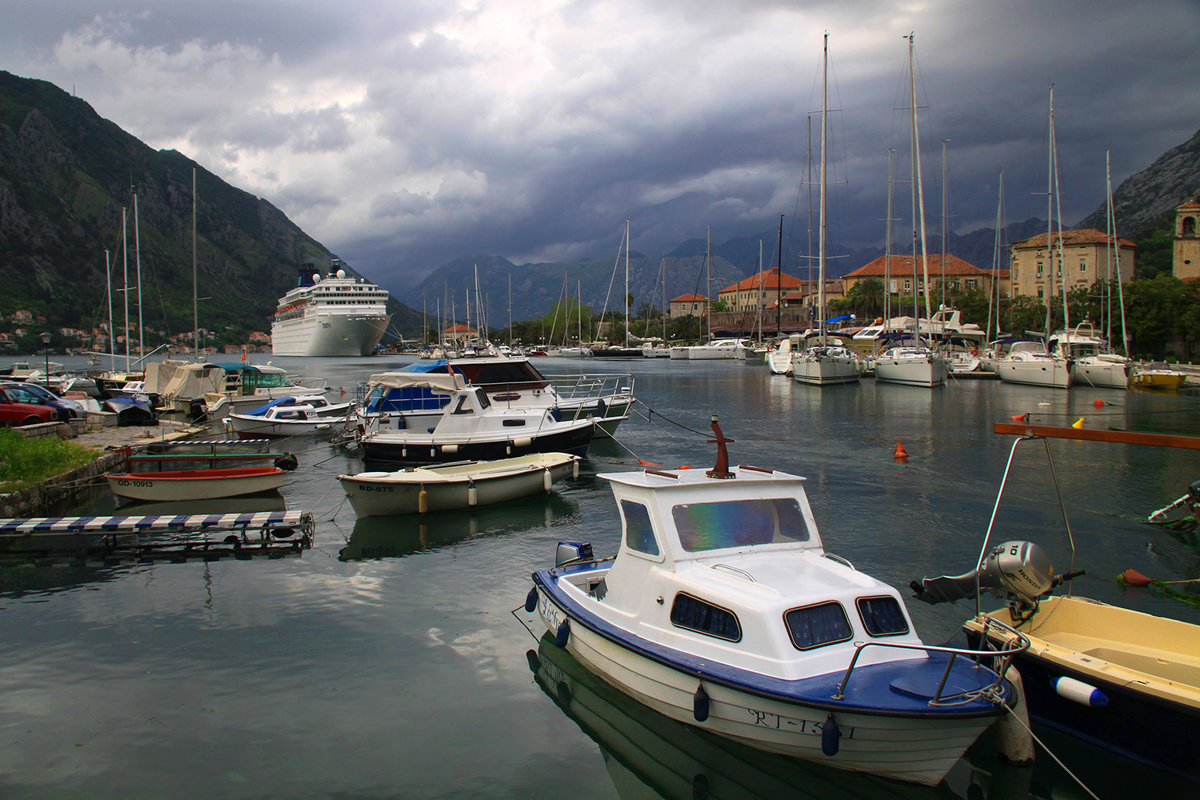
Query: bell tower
[[1186, 263]]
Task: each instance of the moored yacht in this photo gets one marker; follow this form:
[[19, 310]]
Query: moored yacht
[[1028, 362], [1093, 362]]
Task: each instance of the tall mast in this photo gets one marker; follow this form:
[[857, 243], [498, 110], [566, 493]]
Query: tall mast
[[510, 330], [137, 252], [916, 145], [1050, 214], [1116, 250], [821, 203], [887, 252], [943, 303], [125, 289], [1058, 212], [759, 302], [779, 287], [995, 289], [627, 281], [708, 268], [195, 312], [112, 345]]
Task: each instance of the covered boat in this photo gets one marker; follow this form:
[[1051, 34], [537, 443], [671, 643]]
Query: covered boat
[[195, 484], [419, 490], [468, 426], [722, 610], [291, 416]]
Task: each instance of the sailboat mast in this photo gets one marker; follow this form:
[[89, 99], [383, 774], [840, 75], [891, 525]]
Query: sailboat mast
[[1050, 213], [916, 144], [137, 252], [887, 251], [943, 303], [995, 290], [627, 281], [821, 201], [708, 272], [195, 311], [779, 288], [125, 289], [112, 345], [1058, 213], [1116, 251]]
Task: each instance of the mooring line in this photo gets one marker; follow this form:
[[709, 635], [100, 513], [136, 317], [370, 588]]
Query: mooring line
[[1050, 752]]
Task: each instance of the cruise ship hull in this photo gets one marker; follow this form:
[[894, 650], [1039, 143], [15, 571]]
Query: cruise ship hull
[[320, 334]]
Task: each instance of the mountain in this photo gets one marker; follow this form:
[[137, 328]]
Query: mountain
[[65, 175], [1145, 199]]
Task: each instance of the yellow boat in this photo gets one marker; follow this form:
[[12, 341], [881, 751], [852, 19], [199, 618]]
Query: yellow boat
[[1157, 378]]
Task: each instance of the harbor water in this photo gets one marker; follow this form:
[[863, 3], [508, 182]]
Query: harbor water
[[386, 661]]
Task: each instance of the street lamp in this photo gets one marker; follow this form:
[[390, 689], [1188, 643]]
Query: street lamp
[[45, 336]]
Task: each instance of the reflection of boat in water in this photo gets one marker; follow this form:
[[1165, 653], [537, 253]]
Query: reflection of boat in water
[[247, 504], [674, 760], [399, 536]]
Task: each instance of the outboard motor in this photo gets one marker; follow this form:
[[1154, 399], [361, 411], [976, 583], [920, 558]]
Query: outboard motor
[[1020, 570], [198, 410], [572, 553]]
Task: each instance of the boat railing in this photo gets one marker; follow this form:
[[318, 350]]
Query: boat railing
[[1000, 659], [576, 387]]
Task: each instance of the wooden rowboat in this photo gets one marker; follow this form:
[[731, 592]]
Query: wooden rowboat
[[462, 485], [197, 484]]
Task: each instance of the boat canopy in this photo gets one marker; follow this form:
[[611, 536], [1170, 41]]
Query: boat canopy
[[278, 401], [437, 381]]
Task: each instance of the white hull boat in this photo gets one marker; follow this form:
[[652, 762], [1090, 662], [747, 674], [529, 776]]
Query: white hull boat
[[911, 366], [825, 366], [1028, 363], [452, 486], [197, 484], [291, 416], [723, 611]]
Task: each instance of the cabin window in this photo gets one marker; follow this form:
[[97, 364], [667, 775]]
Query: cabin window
[[697, 615], [639, 533], [881, 616], [815, 626], [739, 523]]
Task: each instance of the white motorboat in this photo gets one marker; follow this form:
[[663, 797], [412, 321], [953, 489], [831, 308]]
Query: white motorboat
[[468, 484], [195, 484], [723, 610], [1028, 362], [717, 349], [291, 416], [825, 365], [461, 422], [1093, 362], [779, 357], [911, 366], [393, 401]]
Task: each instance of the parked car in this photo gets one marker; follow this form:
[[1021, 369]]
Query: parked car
[[56, 401], [19, 407]]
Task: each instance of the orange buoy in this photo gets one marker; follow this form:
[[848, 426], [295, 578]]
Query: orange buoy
[[1098, 403], [1021, 417], [900, 454], [1134, 578]]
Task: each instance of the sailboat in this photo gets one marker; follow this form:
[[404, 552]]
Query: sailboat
[[621, 351], [914, 364], [1029, 361], [827, 362]]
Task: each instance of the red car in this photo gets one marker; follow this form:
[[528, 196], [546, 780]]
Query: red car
[[13, 412]]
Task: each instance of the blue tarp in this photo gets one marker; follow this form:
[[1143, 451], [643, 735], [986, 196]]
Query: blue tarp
[[278, 401]]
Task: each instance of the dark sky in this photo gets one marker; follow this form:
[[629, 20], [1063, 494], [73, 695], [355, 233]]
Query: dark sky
[[402, 135]]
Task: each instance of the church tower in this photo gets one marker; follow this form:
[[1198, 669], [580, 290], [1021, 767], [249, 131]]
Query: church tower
[[1187, 241]]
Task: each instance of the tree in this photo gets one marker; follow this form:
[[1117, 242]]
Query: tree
[[865, 299]]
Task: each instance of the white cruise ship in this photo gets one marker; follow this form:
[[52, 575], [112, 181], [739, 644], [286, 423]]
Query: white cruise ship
[[332, 316]]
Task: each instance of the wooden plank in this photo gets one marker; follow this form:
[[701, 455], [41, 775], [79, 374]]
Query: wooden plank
[[1091, 435]]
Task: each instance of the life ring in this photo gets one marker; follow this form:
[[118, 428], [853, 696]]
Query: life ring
[[974, 351]]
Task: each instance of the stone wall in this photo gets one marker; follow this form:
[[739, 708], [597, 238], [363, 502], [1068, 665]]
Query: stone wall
[[36, 501]]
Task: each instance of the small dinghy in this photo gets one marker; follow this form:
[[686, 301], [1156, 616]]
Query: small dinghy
[[723, 610], [195, 484], [451, 486]]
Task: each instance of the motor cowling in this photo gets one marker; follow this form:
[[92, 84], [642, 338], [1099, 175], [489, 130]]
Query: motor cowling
[[1020, 569]]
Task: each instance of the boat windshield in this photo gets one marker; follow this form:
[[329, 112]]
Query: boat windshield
[[739, 523]]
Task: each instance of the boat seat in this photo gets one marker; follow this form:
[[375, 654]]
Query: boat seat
[[1172, 665]]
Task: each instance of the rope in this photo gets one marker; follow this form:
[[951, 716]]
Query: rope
[[1050, 753], [673, 422]]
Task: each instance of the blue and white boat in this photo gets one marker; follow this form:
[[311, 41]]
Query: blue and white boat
[[722, 610]]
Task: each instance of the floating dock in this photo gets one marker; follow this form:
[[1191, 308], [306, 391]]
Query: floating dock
[[112, 540]]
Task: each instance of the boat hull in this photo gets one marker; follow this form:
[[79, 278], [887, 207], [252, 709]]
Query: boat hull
[[195, 484], [1055, 375], [325, 334], [1100, 374], [824, 371], [923, 373], [465, 486], [402, 447]]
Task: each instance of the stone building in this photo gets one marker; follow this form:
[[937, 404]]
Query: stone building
[[958, 275], [1085, 258], [1186, 262]]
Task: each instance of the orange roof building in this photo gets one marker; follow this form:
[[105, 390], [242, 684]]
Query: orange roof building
[[957, 274]]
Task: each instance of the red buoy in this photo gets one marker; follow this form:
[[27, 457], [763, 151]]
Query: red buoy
[[1098, 403], [1134, 578], [1021, 417], [900, 454]]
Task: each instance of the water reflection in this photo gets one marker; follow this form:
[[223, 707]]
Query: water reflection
[[401, 535]]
